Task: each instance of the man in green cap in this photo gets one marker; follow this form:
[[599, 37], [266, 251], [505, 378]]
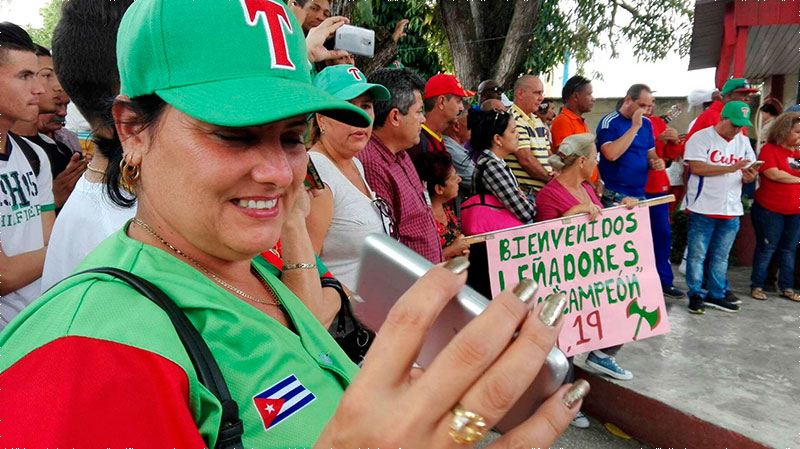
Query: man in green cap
[[719, 158], [737, 89]]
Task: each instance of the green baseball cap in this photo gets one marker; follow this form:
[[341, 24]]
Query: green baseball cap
[[737, 85], [737, 112], [346, 82], [230, 63]]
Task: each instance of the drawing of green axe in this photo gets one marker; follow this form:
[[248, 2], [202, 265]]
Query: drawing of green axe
[[653, 317]]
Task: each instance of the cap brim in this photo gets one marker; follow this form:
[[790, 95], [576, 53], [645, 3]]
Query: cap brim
[[255, 101], [378, 91], [468, 93], [749, 91], [740, 122]]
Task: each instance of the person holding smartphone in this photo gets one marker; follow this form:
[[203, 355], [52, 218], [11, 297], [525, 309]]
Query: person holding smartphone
[[215, 174], [718, 158], [776, 210]]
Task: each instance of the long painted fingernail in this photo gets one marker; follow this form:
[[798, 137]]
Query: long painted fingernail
[[525, 290], [578, 390], [457, 265], [554, 306]]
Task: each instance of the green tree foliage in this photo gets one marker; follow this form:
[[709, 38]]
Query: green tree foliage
[[50, 14], [577, 27]]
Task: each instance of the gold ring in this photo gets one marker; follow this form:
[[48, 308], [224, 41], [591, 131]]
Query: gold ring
[[467, 427]]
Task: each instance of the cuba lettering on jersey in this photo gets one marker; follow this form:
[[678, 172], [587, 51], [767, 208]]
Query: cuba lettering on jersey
[[717, 157]]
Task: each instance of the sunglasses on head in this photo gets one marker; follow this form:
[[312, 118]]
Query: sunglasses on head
[[497, 114]]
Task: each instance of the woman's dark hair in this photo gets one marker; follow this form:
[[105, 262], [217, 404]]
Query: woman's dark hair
[[770, 109], [485, 125], [147, 110], [433, 168]]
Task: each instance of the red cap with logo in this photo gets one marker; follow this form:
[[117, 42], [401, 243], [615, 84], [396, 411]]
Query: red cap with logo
[[443, 84]]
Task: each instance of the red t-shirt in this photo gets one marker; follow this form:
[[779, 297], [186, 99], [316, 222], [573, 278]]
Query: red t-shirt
[[775, 196]]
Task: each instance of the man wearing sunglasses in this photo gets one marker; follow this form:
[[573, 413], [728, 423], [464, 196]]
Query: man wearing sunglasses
[[489, 90]]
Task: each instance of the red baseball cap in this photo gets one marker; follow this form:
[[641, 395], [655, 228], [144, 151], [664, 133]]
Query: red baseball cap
[[443, 84]]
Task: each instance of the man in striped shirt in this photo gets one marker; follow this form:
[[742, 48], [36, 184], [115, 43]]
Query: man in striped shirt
[[529, 163]]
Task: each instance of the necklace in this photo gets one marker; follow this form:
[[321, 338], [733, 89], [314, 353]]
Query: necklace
[[274, 302], [95, 170]]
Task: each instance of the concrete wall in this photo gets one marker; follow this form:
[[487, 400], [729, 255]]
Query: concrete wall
[[603, 106]]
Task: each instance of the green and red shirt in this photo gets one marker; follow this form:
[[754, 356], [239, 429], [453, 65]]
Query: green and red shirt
[[94, 364]]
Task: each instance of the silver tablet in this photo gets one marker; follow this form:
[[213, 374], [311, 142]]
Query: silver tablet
[[388, 268]]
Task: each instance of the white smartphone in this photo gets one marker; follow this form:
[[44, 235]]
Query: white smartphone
[[356, 40], [388, 268], [756, 164]]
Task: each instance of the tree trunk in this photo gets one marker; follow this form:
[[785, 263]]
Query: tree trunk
[[460, 28], [483, 48], [512, 58], [343, 8]]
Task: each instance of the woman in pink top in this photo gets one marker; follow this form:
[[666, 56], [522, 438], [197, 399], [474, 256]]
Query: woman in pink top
[[571, 192]]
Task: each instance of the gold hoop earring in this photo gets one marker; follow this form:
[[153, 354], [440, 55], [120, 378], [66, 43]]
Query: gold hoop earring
[[129, 176]]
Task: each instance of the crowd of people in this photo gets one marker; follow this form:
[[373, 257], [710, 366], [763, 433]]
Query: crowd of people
[[197, 179]]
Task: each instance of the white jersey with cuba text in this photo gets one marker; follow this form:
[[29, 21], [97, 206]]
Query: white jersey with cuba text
[[721, 194]]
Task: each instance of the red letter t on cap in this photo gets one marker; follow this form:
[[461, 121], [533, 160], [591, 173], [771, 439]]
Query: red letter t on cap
[[275, 16]]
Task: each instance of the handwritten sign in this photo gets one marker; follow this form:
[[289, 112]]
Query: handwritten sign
[[605, 267]]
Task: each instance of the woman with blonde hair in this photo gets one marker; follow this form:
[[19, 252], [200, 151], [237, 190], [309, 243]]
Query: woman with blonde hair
[[571, 192]]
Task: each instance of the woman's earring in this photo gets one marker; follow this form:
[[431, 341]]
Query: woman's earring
[[129, 176]]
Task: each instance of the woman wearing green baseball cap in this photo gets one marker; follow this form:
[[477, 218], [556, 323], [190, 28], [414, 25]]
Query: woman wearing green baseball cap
[[211, 117], [347, 210]]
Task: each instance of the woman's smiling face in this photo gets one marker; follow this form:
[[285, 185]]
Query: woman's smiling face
[[225, 190]]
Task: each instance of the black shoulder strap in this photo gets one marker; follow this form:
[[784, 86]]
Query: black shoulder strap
[[477, 177], [28, 151], [230, 427]]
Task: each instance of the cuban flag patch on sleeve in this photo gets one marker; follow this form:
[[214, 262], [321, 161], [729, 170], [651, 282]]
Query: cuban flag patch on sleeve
[[281, 401]]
